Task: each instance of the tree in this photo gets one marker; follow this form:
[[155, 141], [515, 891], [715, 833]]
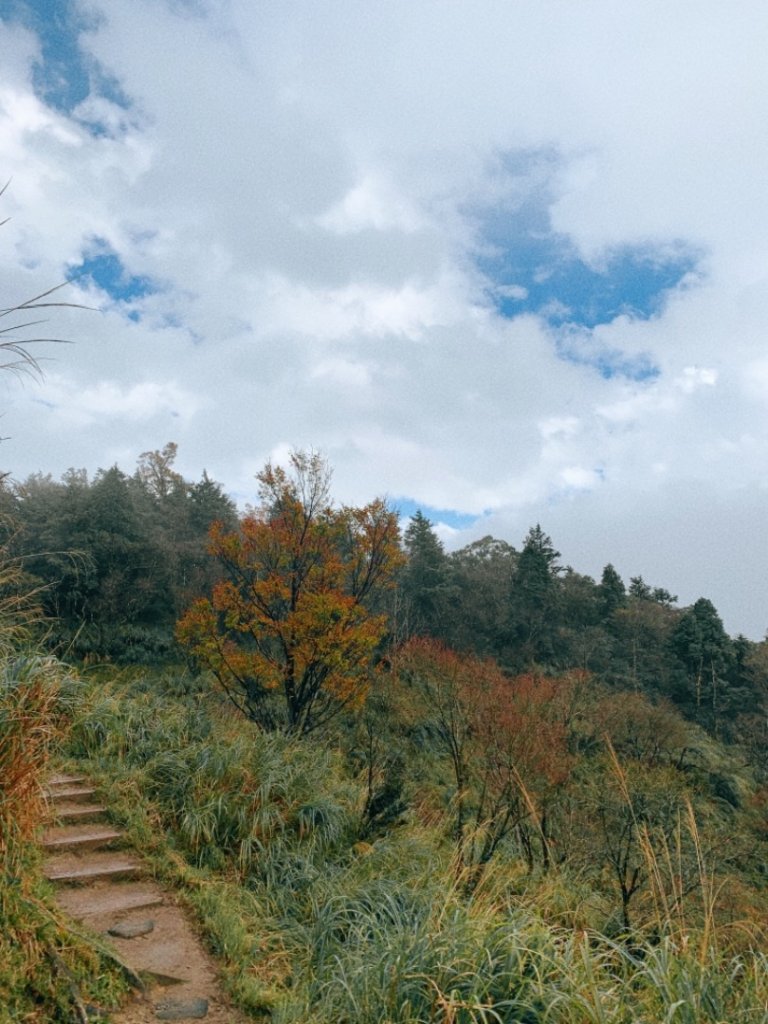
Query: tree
[[290, 632], [612, 592], [155, 471], [478, 610], [632, 825], [131, 577], [704, 648], [642, 627], [507, 742], [534, 598], [425, 580], [650, 733]]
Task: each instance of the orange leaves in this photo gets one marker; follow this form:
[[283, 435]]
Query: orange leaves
[[518, 723], [294, 611], [530, 729], [507, 740]]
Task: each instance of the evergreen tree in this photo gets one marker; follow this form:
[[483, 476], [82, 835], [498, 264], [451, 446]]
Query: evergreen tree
[[425, 579], [706, 652], [612, 593], [534, 599]]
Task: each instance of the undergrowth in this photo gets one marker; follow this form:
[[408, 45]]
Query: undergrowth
[[316, 921]]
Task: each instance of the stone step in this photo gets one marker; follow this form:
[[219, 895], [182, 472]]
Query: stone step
[[71, 794], [79, 812], [181, 1009], [65, 780], [92, 867], [163, 980], [109, 900], [79, 837], [169, 955]]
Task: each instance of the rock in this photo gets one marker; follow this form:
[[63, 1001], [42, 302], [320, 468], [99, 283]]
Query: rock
[[131, 929], [96, 1013], [181, 1009]]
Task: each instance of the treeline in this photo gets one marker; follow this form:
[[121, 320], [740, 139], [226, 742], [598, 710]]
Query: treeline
[[526, 610], [119, 558]]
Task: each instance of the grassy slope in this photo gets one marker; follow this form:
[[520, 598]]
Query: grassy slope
[[262, 835]]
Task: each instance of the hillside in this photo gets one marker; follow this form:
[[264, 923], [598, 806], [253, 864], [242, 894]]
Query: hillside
[[558, 816]]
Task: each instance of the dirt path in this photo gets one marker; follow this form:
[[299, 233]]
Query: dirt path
[[100, 884]]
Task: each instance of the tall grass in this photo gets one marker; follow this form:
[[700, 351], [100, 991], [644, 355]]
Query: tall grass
[[316, 925], [28, 727], [230, 794]]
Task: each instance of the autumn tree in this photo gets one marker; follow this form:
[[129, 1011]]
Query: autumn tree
[[291, 631], [507, 741]]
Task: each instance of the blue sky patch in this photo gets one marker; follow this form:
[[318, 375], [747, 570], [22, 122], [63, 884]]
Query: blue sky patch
[[103, 266], [533, 269], [64, 76], [579, 345], [407, 508], [530, 268], [543, 274]]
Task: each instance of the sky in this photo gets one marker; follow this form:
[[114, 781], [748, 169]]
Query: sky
[[506, 261]]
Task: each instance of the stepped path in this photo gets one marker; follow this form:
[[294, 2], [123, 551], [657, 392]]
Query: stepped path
[[100, 884]]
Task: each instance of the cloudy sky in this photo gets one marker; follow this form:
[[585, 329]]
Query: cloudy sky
[[503, 261]]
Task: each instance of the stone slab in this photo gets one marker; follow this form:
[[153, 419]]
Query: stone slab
[[70, 868], [78, 812], [131, 929], [71, 793], [79, 837], [109, 899], [61, 779], [181, 1009]]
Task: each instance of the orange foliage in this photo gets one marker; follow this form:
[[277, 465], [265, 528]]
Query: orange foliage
[[507, 739], [293, 614]]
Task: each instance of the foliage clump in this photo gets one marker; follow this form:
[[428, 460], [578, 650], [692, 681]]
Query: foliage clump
[[291, 630]]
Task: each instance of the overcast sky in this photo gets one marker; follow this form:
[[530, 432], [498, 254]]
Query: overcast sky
[[502, 261]]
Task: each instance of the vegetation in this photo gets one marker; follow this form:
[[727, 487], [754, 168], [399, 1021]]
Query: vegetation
[[318, 917], [46, 969], [294, 612]]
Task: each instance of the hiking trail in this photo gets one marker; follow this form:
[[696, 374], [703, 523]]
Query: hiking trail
[[101, 884]]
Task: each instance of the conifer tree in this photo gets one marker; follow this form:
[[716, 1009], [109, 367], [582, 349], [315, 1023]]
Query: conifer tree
[[425, 579]]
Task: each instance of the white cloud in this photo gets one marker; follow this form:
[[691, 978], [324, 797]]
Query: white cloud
[[78, 407], [372, 203], [300, 181]]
